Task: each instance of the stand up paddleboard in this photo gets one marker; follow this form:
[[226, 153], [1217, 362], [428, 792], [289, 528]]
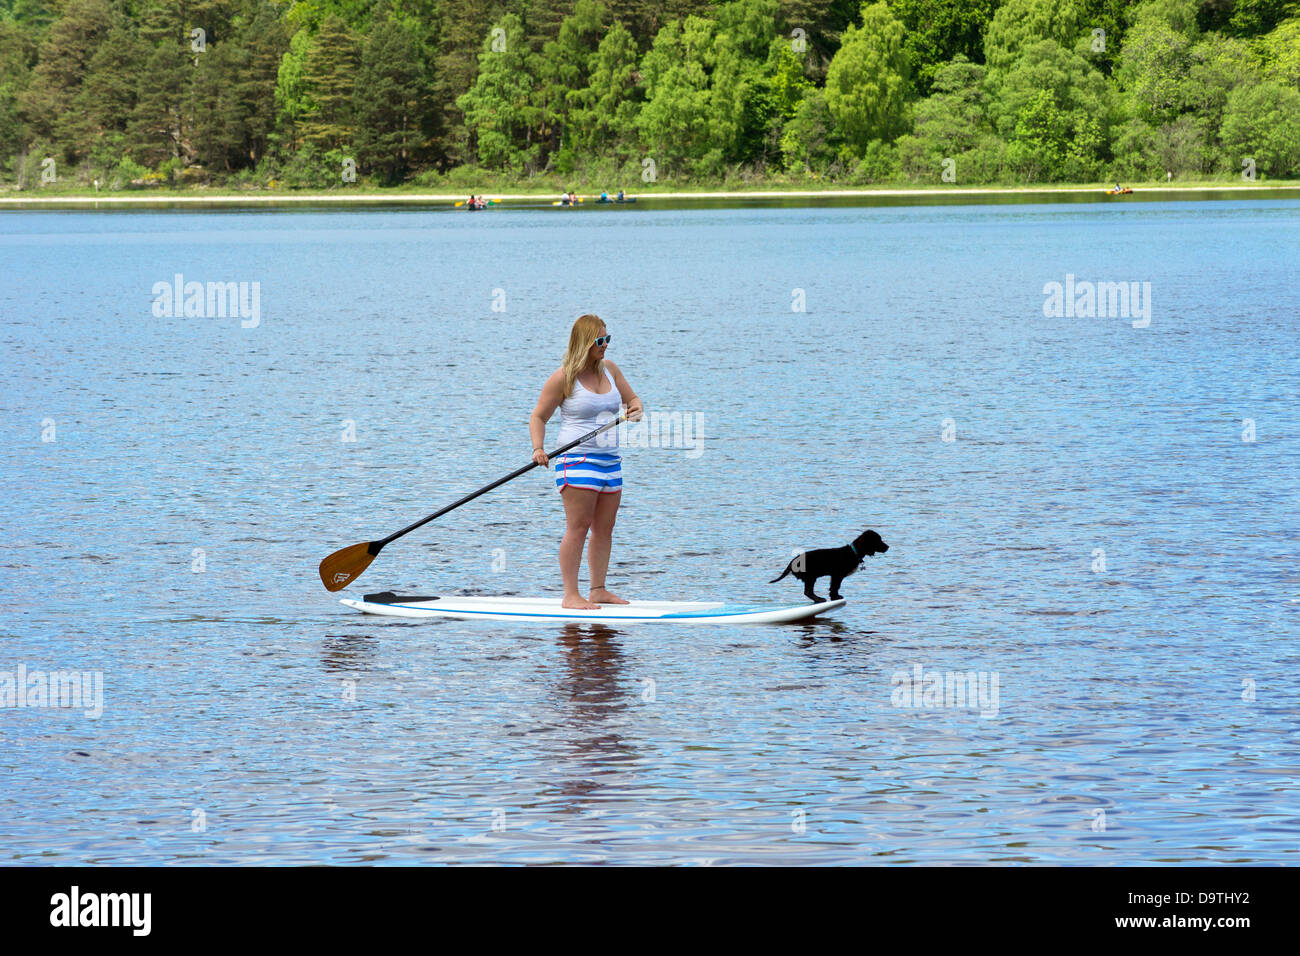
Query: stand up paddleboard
[[549, 609]]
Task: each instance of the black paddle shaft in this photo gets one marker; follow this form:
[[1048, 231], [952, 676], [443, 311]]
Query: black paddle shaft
[[375, 546]]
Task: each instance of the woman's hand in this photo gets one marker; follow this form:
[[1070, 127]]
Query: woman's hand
[[634, 410], [539, 457]]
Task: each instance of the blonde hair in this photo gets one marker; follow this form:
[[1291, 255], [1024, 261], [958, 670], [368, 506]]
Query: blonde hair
[[583, 335]]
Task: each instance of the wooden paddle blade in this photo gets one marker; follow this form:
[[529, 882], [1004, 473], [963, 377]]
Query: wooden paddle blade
[[343, 567]]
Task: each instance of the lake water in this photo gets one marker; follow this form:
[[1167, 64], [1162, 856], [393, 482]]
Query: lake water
[[1097, 519]]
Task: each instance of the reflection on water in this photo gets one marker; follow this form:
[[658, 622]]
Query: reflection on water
[[343, 653], [590, 686]]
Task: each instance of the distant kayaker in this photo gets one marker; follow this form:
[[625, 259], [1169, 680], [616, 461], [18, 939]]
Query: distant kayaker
[[620, 195], [588, 390], [604, 197]]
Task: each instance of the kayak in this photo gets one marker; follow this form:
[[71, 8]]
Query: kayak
[[565, 202], [1122, 192], [548, 609], [631, 199]]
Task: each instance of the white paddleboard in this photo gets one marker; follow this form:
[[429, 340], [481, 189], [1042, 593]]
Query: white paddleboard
[[549, 609]]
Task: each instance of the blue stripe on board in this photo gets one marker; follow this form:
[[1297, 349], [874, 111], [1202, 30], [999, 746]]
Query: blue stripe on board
[[724, 611]]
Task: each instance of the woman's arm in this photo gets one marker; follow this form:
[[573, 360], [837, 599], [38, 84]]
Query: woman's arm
[[629, 397], [550, 399]]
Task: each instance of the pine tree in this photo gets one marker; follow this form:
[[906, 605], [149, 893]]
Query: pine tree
[[17, 50], [499, 109], [566, 64], [103, 107], [47, 104], [389, 102], [264, 41], [604, 115], [329, 79], [467, 23], [158, 123]]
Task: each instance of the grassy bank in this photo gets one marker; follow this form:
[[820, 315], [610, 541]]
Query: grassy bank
[[360, 192]]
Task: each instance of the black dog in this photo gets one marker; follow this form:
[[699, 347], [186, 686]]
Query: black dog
[[839, 563]]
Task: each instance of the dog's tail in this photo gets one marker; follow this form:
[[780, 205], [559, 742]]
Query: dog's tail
[[782, 574]]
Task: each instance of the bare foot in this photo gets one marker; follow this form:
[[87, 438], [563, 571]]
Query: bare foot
[[606, 597], [578, 603]]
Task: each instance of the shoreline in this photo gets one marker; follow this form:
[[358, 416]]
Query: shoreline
[[343, 198]]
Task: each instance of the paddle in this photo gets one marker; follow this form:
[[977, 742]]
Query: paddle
[[342, 567]]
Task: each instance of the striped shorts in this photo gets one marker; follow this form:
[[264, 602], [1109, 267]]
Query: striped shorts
[[602, 473]]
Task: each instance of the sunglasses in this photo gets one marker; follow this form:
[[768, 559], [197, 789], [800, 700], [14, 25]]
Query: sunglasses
[[603, 340]]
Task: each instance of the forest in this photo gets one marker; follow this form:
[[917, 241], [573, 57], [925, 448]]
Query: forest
[[474, 94]]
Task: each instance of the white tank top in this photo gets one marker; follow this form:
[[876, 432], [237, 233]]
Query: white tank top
[[584, 411]]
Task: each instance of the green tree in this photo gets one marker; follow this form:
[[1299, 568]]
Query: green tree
[[714, 88], [36, 15], [809, 140], [823, 23], [499, 109], [464, 25], [867, 81], [173, 20], [159, 124], [17, 50], [47, 104], [290, 98], [1218, 65], [1112, 18], [1262, 122], [1054, 109], [105, 103], [948, 123], [1157, 59], [605, 111], [1018, 24], [565, 68], [675, 121], [939, 31], [1252, 18], [1135, 147], [1281, 50], [232, 93], [1183, 146], [264, 37], [743, 82], [389, 101], [329, 79], [787, 82], [645, 18]]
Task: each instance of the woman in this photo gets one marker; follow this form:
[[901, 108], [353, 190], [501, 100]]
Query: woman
[[588, 391]]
